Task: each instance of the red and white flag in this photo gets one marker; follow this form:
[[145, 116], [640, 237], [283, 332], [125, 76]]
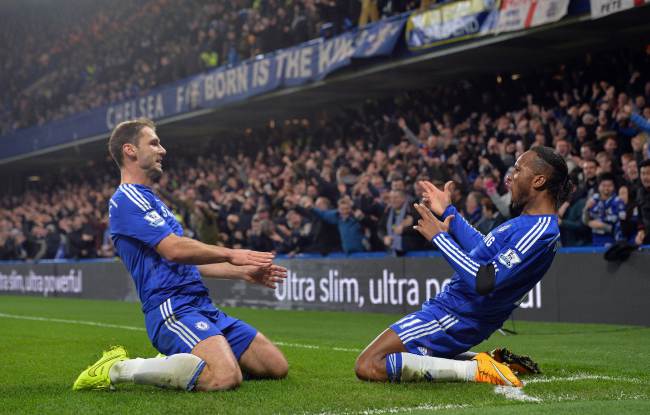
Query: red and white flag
[[523, 14]]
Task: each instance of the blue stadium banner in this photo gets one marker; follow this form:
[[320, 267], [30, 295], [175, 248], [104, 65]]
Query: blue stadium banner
[[451, 22], [308, 62]]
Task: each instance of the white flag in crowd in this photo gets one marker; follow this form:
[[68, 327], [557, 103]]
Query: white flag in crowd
[[601, 8]]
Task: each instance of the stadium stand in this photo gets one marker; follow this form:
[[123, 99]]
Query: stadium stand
[[86, 55], [342, 180]]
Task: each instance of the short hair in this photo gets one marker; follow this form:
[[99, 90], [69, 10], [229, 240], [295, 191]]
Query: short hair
[[627, 156], [476, 195], [602, 177], [488, 204], [558, 184], [590, 161], [603, 154], [345, 200], [644, 163], [325, 200], [126, 132]]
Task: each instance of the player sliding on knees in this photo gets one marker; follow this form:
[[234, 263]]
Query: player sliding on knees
[[492, 274], [205, 348]]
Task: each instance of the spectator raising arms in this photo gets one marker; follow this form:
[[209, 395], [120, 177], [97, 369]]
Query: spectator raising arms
[[274, 187]]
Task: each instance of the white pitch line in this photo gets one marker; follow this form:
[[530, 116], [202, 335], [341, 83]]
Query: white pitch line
[[619, 397], [314, 347], [135, 328], [515, 394], [582, 376], [518, 394], [396, 410], [80, 322]]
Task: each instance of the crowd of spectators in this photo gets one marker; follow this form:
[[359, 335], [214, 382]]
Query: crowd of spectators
[[345, 181], [69, 56], [65, 222]]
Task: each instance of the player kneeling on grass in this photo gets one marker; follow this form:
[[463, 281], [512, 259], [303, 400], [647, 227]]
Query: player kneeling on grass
[[205, 348], [492, 274]]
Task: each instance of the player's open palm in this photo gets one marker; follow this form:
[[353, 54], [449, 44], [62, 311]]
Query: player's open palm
[[248, 257], [269, 275], [428, 225], [435, 199]]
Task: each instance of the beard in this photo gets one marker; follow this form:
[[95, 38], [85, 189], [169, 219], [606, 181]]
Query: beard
[[516, 209], [517, 204]]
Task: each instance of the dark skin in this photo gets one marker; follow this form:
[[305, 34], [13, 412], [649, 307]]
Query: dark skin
[[527, 185]]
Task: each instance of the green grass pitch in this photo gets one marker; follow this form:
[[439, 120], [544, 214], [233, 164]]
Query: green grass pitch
[[595, 369]]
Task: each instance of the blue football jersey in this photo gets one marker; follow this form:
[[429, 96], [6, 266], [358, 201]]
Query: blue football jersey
[[611, 211], [521, 250], [138, 221]]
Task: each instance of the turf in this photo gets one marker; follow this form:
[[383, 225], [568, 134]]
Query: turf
[[587, 368]]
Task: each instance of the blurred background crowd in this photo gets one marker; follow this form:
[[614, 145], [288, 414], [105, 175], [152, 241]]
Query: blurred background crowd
[[84, 55], [345, 180]]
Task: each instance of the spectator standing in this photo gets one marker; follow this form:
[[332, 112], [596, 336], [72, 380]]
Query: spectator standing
[[638, 119], [629, 223], [395, 227], [490, 216], [325, 236], [643, 203], [473, 210], [572, 229], [349, 225], [604, 211], [588, 179]]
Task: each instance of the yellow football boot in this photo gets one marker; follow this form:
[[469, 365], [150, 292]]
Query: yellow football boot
[[491, 371], [96, 377]]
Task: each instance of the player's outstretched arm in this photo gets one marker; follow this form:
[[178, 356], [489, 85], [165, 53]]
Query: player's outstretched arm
[[268, 276], [184, 250], [439, 202], [505, 267], [486, 275]]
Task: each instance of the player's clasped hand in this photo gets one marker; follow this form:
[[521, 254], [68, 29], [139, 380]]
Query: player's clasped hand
[[248, 257], [428, 225]]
